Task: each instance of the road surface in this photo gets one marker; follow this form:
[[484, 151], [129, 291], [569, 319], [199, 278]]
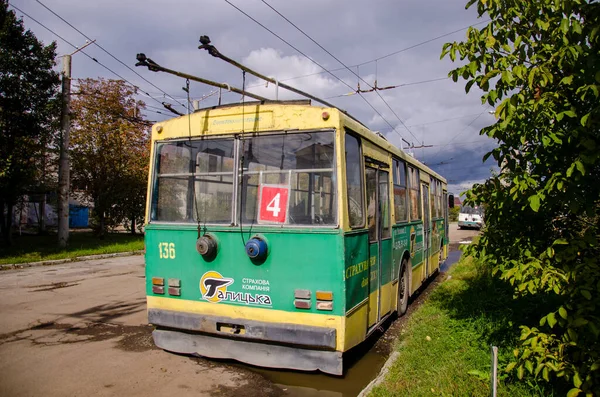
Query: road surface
[[79, 329]]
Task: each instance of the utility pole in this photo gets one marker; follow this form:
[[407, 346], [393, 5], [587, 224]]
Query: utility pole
[[64, 167]]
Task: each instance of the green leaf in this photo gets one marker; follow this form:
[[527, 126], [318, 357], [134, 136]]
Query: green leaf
[[473, 68], [562, 312], [567, 80], [580, 167], [534, 202], [520, 372], [551, 320], [586, 294], [573, 392], [546, 374], [584, 119], [564, 25], [560, 241], [529, 366], [510, 366], [577, 380]]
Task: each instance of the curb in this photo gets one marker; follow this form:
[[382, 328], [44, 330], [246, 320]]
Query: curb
[[12, 266], [381, 376]]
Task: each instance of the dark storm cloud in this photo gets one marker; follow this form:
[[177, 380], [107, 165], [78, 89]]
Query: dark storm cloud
[[354, 31]]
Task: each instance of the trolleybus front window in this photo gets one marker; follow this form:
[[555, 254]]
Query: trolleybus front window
[[302, 165], [194, 181]]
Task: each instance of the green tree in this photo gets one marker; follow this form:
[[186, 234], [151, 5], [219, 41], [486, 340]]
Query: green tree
[[538, 63], [110, 147], [28, 96]]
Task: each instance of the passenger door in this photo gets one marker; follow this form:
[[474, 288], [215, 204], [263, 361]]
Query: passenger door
[[378, 221], [426, 228]]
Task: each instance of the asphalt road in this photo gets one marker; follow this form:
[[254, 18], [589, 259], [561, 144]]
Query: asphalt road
[[79, 329]]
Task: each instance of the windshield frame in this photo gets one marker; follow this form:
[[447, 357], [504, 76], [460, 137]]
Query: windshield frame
[[236, 205]]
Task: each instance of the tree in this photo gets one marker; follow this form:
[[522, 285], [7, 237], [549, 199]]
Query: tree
[[538, 63], [28, 96], [110, 151]]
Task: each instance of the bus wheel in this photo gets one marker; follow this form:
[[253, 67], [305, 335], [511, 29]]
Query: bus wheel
[[403, 289]]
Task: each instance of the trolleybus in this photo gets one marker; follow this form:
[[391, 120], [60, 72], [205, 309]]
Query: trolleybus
[[282, 234]]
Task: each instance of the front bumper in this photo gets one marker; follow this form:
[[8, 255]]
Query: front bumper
[[469, 224], [274, 345]]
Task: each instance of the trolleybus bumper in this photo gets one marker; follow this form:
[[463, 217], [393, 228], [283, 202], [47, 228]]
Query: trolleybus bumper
[[274, 345]]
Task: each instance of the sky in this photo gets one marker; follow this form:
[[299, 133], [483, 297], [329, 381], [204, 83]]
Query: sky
[[378, 40]]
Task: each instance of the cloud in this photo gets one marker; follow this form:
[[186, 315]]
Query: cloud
[[273, 63], [354, 32]]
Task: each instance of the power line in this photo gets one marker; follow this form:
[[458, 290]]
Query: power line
[[312, 60], [462, 132], [114, 57], [422, 43], [390, 54], [83, 52], [393, 86], [344, 65]]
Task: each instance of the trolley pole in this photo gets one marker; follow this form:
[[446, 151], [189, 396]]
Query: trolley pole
[[64, 167]]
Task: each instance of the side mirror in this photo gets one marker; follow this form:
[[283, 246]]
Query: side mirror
[[450, 201]]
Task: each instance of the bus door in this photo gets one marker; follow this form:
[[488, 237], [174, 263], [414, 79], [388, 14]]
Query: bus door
[[426, 228], [378, 214]]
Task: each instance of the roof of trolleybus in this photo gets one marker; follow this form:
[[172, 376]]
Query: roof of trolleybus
[[272, 116]]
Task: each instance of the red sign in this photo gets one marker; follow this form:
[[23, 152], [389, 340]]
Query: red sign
[[273, 203]]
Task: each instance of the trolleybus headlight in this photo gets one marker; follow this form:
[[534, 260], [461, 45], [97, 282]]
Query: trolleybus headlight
[[256, 248], [207, 246]]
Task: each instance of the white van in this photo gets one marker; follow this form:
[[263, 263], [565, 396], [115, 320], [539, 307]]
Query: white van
[[470, 217]]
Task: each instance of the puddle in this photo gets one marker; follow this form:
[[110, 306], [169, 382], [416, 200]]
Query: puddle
[[308, 384], [363, 362]]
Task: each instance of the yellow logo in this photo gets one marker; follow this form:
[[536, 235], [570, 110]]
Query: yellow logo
[[214, 286]]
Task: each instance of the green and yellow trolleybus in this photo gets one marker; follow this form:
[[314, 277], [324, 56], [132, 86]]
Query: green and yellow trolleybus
[[282, 234]]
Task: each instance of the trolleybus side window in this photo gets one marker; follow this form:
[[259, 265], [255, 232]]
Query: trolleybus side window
[[303, 163], [354, 182], [433, 197], [414, 188], [384, 198], [400, 204], [371, 174], [440, 201]]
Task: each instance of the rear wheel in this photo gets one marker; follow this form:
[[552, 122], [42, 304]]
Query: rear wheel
[[403, 289]]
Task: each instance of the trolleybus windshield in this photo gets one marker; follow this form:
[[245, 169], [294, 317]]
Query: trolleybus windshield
[[295, 173]]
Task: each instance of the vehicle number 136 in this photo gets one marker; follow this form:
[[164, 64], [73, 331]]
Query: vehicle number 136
[[166, 250]]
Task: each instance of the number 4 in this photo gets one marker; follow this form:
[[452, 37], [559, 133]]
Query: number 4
[[273, 206]]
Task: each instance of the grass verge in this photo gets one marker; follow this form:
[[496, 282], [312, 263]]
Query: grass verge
[[444, 349], [29, 248]]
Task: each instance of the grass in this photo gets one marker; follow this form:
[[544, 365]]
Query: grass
[[444, 349], [33, 248]]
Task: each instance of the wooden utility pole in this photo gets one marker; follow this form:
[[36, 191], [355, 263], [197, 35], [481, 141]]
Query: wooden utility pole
[[64, 167]]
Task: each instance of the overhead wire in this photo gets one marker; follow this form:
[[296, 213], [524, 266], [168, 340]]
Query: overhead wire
[[111, 55], [393, 86], [390, 54], [344, 65], [83, 52], [462, 132], [312, 60]]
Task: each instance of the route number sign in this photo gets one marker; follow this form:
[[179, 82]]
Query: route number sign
[[273, 203]]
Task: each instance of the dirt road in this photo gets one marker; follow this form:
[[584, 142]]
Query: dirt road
[[79, 329]]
